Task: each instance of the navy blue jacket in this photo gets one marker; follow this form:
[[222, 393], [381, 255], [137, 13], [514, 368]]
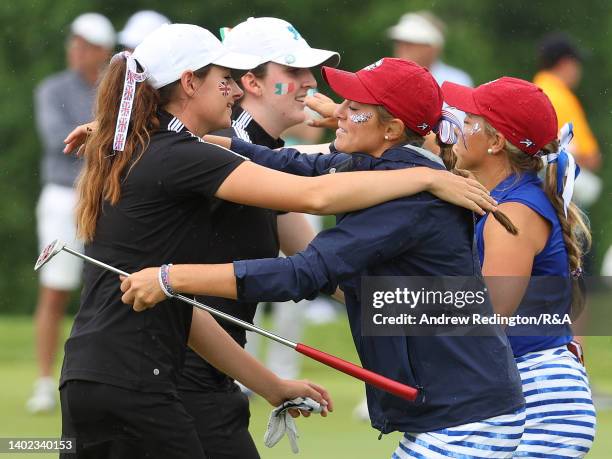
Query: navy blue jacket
[[464, 379]]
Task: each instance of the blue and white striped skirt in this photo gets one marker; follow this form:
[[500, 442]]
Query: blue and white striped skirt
[[496, 437], [560, 417]]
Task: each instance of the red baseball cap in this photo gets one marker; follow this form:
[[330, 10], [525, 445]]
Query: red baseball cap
[[405, 89], [516, 108]]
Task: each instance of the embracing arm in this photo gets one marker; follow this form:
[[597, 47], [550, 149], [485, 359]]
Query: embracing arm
[[258, 186], [290, 160], [508, 258]]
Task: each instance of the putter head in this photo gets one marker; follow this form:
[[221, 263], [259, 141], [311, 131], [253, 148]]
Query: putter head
[[48, 252]]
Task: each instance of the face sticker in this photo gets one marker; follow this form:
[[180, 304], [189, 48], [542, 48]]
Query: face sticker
[[283, 88], [361, 117], [224, 88], [475, 129]]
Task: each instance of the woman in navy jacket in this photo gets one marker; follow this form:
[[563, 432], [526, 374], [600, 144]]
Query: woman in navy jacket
[[470, 400]]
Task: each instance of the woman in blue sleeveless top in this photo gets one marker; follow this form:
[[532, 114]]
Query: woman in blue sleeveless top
[[509, 128]]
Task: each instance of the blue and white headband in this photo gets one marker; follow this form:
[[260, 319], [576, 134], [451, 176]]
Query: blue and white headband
[[445, 129], [567, 169]]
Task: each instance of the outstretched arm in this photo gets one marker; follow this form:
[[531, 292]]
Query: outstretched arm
[[332, 193], [335, 254], [290, 160], [258, 186]]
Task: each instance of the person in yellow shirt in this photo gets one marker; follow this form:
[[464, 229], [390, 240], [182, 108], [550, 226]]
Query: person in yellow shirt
[[560, 73]]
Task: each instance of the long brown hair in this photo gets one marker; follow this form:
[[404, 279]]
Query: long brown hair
[[575, 227], [100, 179], [448, 158]]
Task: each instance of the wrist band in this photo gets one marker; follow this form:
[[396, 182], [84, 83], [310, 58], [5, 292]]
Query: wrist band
[[164, 280]]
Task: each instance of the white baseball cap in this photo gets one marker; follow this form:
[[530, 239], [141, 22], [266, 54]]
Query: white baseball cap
[[172, 49], [277, 41], [95, 29], [139, 25], [417, 28]]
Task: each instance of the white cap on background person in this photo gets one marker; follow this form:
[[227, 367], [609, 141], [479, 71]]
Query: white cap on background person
[[276, 40], [139, 25], [95, 29], [172, 49], [420, 27]]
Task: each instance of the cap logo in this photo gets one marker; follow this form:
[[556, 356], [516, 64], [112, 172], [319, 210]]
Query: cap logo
[[423, 126], [289, 59], [296, 34], [528, 143], [378, 63]]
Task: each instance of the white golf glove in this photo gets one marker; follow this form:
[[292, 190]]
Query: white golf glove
[[281, 421]]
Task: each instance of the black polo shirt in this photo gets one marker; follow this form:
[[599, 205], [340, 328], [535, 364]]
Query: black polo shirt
[[239, 233], [163, 216]]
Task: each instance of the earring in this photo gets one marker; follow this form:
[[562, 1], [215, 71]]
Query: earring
[[489, 151], [386, 137]]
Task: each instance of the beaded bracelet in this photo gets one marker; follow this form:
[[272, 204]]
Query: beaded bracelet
[[164, 280]]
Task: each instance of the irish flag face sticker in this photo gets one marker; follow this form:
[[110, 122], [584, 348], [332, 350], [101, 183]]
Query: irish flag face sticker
[[283, 88]]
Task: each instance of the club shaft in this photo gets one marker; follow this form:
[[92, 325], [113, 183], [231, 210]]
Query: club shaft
[[95, 262], [235, 321], [349, 368], [197, 304]]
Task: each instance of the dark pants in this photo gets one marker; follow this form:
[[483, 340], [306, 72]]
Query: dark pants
[[109, 422], [222, 423]]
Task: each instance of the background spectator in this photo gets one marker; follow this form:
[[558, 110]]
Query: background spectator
[[419, 37], [61, 102]]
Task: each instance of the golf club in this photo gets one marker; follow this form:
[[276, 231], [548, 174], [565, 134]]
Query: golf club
[[367, 376]]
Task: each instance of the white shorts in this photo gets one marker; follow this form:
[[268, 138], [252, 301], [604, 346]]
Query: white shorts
[[55, 215]]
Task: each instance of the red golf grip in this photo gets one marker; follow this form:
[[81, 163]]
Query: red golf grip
[[374, 379]]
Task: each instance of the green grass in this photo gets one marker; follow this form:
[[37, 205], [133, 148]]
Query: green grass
[[337, 436]]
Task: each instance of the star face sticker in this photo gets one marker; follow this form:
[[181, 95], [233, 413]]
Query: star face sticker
[[360, 118]]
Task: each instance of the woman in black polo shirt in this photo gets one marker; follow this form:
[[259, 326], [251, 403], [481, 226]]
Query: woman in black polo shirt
[[118, 384]]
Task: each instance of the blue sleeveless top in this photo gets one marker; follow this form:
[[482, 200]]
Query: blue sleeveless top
[[549, 290]]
